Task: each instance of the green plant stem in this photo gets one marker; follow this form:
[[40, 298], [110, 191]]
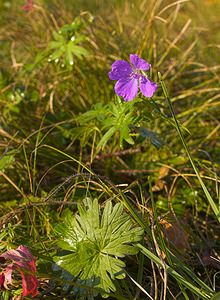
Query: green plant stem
[[198, 291], [208, 196]]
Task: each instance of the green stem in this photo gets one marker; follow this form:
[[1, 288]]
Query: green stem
[[198, 291], [208, 196]]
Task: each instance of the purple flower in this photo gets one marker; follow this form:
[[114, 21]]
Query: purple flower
[[130, 76]]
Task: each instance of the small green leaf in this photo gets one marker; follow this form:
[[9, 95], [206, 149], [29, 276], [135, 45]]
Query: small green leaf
[[69, 53], [79, 51], [58, 53], [106, 137], [6, 161], [125, 135], [55, 45]]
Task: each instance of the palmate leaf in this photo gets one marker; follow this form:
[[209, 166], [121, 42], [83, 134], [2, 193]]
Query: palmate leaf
[[95, 240]]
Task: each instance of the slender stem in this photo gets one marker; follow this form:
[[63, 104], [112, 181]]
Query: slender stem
[[208, 196], [176, 275]]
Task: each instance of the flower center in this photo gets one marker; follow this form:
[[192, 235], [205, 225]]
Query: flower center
[[136, 74]]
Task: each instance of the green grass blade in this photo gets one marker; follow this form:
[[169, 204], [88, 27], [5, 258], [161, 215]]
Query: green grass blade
[[195, 290], [208, 196]]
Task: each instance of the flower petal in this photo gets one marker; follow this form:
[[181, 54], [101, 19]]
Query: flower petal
[[147, 87], [139, 63], [120, 69], [127, 88]]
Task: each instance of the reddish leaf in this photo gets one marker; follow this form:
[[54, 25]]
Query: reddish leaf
[[2, 280], [28, 6], [29, 284], [23, 262], [6, 277]]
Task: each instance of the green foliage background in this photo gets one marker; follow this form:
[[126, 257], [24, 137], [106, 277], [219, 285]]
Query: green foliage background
[[66, 136]]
